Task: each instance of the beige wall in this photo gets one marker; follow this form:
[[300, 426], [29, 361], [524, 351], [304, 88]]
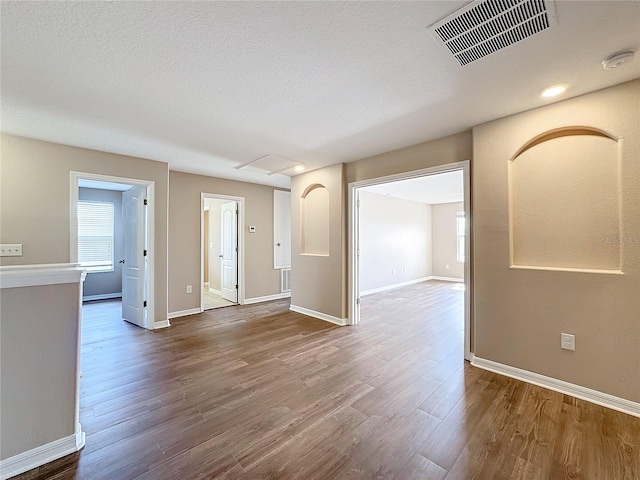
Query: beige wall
[[444, 238], [38, 365], [520, 313], [319, 281], [394, 240], [322, 285], [34, 201], [454, 148], [261, 279]]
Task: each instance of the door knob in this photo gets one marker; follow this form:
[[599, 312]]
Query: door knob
[[279, 244], [221, 256], [121, 261]]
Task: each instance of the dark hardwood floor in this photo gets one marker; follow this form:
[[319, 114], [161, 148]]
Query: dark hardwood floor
[[259, 392]]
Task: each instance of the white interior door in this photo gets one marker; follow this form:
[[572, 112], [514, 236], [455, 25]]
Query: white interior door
[[134, 270], [282, 229], [229, 255]]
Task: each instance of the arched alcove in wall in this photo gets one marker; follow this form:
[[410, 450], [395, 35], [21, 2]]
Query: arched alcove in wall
[[314, 221], [564, 201]]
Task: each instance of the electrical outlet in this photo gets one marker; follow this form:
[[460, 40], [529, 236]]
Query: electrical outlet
[[189, 288], [567, 341], [446, 266], [11, 250]]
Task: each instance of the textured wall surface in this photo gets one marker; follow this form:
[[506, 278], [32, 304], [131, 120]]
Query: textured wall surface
[[38, 365], [260, 278], [319, 281], [520, 313], [394, 240], [36, 173]]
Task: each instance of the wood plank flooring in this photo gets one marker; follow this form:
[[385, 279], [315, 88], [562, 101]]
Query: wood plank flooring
[[259, 392]]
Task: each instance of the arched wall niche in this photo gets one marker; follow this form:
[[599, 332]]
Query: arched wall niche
[[562, 132], [564, 201], [314, 221]]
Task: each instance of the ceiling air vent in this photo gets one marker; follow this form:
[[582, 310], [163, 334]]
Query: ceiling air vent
[[486, 26]]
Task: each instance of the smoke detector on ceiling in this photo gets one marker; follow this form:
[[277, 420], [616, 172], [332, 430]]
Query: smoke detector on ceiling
[[617, 59], [486, 26]]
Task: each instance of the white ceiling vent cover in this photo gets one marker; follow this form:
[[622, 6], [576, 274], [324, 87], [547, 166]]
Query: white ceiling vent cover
[[486, 26]]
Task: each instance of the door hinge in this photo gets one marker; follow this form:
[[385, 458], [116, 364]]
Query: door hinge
[[236, 286], [357, 301], [144, 253], [358, 203], [145, 201], [144, 304], [237, 212]]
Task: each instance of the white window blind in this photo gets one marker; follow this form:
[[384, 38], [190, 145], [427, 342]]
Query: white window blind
[[460, 230], [95, 235]]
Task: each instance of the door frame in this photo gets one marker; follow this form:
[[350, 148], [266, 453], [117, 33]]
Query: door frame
[[240, 240], [353, 221], [75, 178]]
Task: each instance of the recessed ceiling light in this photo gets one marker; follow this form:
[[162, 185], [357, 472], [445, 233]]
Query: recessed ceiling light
[[553, 90], [299, 168], [617, 59]]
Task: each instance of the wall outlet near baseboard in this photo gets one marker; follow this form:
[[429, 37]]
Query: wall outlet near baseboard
[[11, 250], [189, 288], [568, 341]]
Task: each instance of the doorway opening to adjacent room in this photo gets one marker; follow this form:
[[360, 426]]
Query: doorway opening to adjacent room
[[222, 251], [125, 253], [409, 233]]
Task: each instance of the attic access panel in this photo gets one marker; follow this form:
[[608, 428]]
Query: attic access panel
[[269, 165], [486, 26]]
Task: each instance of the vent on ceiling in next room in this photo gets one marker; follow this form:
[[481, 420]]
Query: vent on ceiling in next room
[[486, 26]]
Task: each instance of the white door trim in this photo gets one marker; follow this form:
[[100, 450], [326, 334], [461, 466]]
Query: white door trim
[[75, 178], [240, 201], [354, 307]]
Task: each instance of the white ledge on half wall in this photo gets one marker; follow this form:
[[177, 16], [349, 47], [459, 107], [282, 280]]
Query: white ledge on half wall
[[13, 276]]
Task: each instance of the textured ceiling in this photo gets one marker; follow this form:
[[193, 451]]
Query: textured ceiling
[[433, 189], [209, 86]]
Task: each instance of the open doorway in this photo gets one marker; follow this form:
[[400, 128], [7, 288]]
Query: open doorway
[[123, 255], [426, 213], [221, 248]]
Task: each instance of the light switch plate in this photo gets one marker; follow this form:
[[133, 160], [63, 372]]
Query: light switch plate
[[11, 250]]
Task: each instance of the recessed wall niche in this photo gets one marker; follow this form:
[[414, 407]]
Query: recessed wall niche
[[314, 221], [564, 202]]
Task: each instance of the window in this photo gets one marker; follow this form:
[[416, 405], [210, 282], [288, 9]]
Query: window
[[460, 236], [95, 236]]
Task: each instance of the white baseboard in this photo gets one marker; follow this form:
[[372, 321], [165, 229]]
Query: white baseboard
[[12, 466], [161, 324], [448, 279], [184, 313], [103, 296], [593, 396], [395, 285], [267, 298], [319, 315], [214, 291]]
